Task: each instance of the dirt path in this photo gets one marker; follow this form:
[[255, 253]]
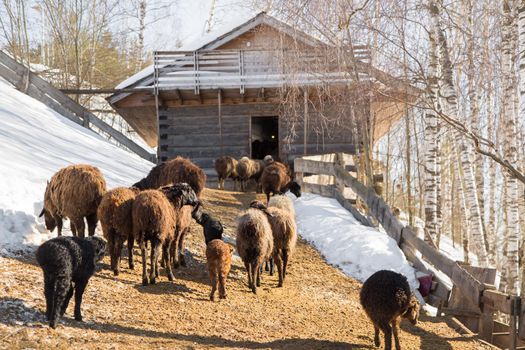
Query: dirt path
[[318, 307]]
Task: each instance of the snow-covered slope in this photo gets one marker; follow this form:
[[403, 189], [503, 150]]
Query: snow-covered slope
[[357, 250], [35, 142]]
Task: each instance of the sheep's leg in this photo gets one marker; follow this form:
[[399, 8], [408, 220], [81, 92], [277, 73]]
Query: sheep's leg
[[222, 286], [254, 271], [59, 222], [267, 197], [249, 271], [270, 261], [92, 223], [258, 272], [61, 289], [279, 264], [387, 330], [80, 287], [286, 254], [73, 229], [213, 279], [182, 260], [66, 300], [175, 253], [131, 242], [377, 339], [155, 250], [80, 227], [166, 248], [49, 291], [144, 262], [395, 330]]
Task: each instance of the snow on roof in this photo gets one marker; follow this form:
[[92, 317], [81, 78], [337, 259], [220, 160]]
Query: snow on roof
[[148, 71], [36, 142]]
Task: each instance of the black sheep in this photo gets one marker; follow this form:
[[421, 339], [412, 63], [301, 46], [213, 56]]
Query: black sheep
[[67, 262], [386, 298], [212, 228]]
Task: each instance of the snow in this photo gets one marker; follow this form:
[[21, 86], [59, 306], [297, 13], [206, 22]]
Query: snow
[[36, 142], [357, 250], [148, 71]]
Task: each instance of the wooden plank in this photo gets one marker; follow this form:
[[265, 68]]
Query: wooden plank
[[313, 167], [204, 140], [497, 300]]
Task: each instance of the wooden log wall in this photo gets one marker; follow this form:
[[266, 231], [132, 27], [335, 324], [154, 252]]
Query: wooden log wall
[[474, 298]]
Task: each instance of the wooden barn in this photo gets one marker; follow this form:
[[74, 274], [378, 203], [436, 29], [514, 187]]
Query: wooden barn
[[262, 87]]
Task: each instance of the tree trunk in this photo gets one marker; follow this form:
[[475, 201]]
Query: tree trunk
[[450, 108]]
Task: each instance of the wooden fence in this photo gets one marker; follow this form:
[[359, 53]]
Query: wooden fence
[[31, 84], [473, 298]]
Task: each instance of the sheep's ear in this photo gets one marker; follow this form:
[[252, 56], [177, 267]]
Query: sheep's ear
[[42, 212]]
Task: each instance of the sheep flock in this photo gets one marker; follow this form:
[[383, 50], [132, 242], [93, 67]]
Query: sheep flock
[[158, 210]]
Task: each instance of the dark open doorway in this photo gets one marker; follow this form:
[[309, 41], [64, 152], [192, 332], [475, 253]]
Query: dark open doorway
[[265, 137]]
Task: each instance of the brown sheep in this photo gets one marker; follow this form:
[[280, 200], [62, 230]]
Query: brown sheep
[[114, 213], [284, 233], [174, 171], [254, 244], [276, 179], [386, 298], [154, 219], [219, 261], [74, 192], [226, 168], [183, 226]]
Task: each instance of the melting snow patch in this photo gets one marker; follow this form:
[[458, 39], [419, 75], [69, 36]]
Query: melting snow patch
[[357, 250]]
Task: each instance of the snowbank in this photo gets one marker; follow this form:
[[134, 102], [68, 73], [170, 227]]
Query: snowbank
[[35, 142], [357, 250]]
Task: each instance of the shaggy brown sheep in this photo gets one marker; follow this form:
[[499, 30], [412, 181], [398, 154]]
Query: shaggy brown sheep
[[154, 214], [219, 261], [386, 298], [226, 168], [284, 233], [254, 244], [249, 169], [174, 171], [74, 192], [114, 213], [276, 179]]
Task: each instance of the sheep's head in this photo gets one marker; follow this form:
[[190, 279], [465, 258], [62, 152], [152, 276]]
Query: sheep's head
[[141, 185], [49, 219], [181, 192], [268, 159], [412, 311], [99, 247], [295, 188]]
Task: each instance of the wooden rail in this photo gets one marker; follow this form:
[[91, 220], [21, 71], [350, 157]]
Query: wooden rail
[[20, 76], [473, 299], [241, 69]]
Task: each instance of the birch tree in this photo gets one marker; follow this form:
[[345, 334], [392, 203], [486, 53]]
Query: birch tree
[[450, 108]]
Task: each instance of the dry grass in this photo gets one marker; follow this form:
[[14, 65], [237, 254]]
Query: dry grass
[[318, 307]]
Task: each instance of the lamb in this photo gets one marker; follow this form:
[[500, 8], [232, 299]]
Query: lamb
[[226, 168], [254, 244], [284, 233], [154, 214], [386, 298], [212, 228], [73, 192], [275, 179], [68, 263], [183, 226], [282, 202], [219, 261], [174, 171], [114, 212]]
